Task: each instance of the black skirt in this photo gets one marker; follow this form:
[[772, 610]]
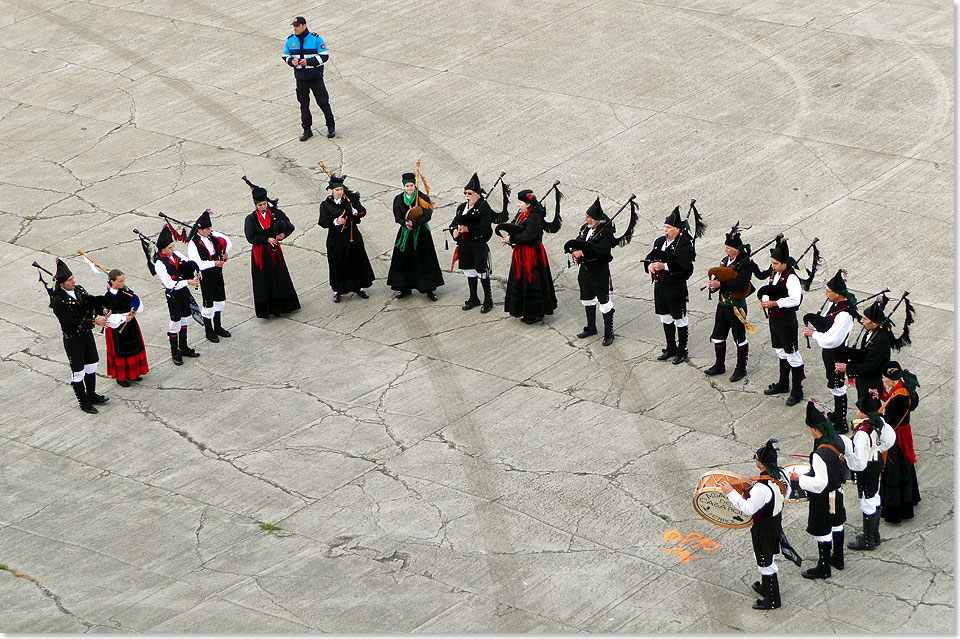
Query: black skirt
[[899, 491], [414, 264], [530, 292]]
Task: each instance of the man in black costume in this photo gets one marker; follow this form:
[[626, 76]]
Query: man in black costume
[[77, 312], [177, 273], [340, 213], [670, 264], [414, 264], [592, 250], [472, 228], [264, 228], [867, 362], [733, 294], [209, 250]]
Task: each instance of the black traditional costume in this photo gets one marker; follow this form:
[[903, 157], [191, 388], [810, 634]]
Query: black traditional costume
[[831, 329], [670, 295], [824, 486], [414, 264], [899, 491], [595, 241], [764, 505], [205, 252], [174, 270], [76, 310], [530, 293], [733, 293], [473, 252], [868, 361], [273, 292], [126, 351], [785, 290], [350, 270], [871, 437]]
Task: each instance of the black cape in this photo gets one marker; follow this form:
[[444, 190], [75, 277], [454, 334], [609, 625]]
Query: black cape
[[530, 292], [273, 292], [350, 268], [414, 264]]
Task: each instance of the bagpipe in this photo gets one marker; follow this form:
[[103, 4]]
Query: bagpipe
[[105, 274], [183, 235], [580, 245], [498, 218], [775, 293], [419, 205], [354, 201], [657, 255], [49, 289], [146, 244], [512, 228]]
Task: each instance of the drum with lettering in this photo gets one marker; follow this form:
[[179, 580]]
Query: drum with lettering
[[711, 504], [797, 495]]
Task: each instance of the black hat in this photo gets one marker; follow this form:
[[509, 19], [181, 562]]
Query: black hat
[[780, 251], [674, 219], [526, 195], [837, 283], [63, 271], [474, 185], [816, 419], [299, 20], [407, 178], [165, 238], [203, 222], [767, 454], [259, 194], [874, 312], [868, 403], [595, 212], [733, 237], [893, 371], [336, 182]]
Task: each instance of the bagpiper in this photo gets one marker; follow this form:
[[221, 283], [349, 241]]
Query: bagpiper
[[341, 213], [781, 298], [472, 228], [177, 273], [732, 280], [414, 264], [209, 250], [872, 437], [126, 351], [264, 228]]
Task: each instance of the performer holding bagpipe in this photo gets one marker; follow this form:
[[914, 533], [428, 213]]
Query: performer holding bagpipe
[[764, 504], [78, 312], [872, 437], [781, 297], [830, 328], [732, 280], [472, 228], [899, 491], [865, 363], [264, 228], [530, 293], [414, 264], [210, 250], [824, 487], [177, 272], [592, 250], [126, 351], [670, 265], [341, 213]]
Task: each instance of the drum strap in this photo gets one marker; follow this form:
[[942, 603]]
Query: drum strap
[[833, 448], [780, 484]]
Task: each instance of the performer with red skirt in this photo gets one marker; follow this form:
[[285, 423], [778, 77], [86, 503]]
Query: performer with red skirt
[[126, 352]]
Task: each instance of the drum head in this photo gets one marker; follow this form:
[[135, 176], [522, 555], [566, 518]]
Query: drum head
[[797, 495]]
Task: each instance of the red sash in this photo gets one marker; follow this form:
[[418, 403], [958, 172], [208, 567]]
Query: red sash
[[276, 252]]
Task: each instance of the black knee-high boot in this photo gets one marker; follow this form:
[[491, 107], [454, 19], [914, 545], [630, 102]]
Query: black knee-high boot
[[839, 415], [682, 333], [836, 558], [822, 569], [719, 366], [208, 330], [487, 296], [81, 394], [670, 332], [90, 379], [782, 385], [473, 301], [185, 350], [591, 327], [175, 350], [218, 327], [740, 371], [796, 392], [608, 327]]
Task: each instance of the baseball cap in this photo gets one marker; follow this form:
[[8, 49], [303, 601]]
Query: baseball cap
[[299, 20]]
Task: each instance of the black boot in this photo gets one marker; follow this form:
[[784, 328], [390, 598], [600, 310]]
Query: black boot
[[796, 393], [836, 558], [208, 329], [90, 379], [474, 301], [591, 327], [782, 385], [718, 368], [876, 529], [487, 296], [175, 351], [186, 351], [822, 569], [670, 332], [218, 327], [81, 394], [770, 591], [839, 415], [682, 333], [740, 371], [865, 541], [608, 327], [307, 134], [788, 550]]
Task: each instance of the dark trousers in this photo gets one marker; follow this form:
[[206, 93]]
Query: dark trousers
[[323, 99]]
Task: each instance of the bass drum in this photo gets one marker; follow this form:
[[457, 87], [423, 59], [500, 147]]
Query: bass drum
[[711, 504]]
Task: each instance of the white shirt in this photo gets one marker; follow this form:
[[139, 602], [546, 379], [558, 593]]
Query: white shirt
[[888, 437], [116, 319], [817, 482], [759, 496], [194, 253], [794, 291], [838, 333], [169, 282]]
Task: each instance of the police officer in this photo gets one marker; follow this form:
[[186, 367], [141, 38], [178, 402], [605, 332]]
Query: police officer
[[306, 52]]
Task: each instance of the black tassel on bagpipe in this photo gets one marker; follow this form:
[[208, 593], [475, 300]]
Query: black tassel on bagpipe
[[40, 272], [904, 340], [503, 215], [812, 271], [554, 226], [699, 226], [624, 239]]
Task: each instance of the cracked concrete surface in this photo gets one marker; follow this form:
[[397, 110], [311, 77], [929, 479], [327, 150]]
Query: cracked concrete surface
[[432, 470]]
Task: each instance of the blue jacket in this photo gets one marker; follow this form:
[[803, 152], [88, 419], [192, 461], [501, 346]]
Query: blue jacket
[[309, 47]]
